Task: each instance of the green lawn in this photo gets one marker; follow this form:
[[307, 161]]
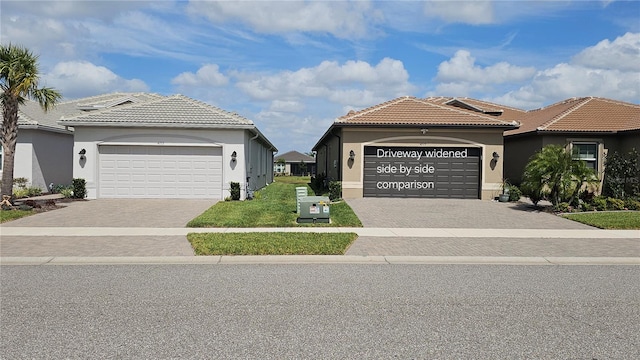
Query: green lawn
[[608, 219], [271, 243], [8, 215], [272, 206]]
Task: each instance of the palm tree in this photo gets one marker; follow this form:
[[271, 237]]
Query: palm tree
[[18, 81], [553, 173]]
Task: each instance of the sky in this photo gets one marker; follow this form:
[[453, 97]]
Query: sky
[[293, 67]]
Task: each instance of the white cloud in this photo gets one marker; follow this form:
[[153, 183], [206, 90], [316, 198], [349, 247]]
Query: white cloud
[[333, 81], [340, 18], [622, 54], [469, 12], [462, 68], [80, 78], [208, 75]]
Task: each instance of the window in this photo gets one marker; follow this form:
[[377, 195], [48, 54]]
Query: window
[[588, 152]]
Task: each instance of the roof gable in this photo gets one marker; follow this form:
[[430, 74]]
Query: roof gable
[[587, 114], [413, 111]]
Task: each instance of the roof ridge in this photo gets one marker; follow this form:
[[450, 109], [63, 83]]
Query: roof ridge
[[207, 106], [375, 107], [580, 102], [450, 108], [495, 104]]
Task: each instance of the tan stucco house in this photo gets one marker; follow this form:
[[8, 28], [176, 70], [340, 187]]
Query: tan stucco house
[[590, 127], [412, 147]]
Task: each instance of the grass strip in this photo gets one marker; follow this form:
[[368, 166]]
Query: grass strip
[[276, 243], [8, 215], [610, 220], [273, 206]]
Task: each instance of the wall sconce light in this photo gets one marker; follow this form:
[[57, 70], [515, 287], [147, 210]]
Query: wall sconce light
[[496, 156], [352, 155], [234, 156], [82, 152], [424, 131]]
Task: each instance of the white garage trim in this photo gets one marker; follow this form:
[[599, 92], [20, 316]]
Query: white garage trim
[[155, 171], [159, 143]]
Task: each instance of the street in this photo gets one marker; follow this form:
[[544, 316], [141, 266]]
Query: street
[[319, 311]]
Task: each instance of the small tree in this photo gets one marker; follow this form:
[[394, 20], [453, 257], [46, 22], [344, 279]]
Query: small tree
[[552, 173], [622, 175], [18, 81]]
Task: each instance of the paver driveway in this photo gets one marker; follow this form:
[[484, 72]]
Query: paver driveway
[[454, 213], [151, 213]]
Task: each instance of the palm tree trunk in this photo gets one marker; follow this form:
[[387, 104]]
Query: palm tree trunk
[[9, 139]]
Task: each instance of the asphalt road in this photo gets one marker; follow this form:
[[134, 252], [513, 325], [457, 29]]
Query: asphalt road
[[319, 311]]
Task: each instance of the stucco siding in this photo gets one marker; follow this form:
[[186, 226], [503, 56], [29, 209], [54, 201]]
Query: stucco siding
[[43, 157]]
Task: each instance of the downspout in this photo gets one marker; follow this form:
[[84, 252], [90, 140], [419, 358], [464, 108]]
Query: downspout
[[250, 165], [339, 156]]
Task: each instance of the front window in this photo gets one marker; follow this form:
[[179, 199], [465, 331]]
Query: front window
[[587, 152]]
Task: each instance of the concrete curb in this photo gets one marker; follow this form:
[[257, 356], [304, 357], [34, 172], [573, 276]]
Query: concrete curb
[[370, 232], [319, 259]]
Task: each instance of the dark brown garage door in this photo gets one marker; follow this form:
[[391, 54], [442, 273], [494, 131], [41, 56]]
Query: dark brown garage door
[[430, 172]]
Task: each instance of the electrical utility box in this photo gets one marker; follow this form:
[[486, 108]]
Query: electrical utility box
[[300, 193], [314, 209]]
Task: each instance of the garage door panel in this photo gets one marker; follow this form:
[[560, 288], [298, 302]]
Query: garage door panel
[[160, 172], [440, 172]]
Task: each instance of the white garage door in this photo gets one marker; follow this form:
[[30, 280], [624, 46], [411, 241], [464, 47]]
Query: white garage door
[[160, 172]]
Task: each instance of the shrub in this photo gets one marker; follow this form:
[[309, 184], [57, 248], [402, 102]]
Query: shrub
[[586, 206], [318, 184], [79, 188], [235, 190], [615, 204], [632, 204], [514, 193], [563, 207], [335, 190], [20, 182], [67, 192], [599, 203], [23, 192]]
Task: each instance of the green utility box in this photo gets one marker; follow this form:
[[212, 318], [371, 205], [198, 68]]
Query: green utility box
[[314, 209]]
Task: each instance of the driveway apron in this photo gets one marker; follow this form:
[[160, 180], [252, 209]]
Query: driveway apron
[[107, 213], [454, 213], [149, 213]]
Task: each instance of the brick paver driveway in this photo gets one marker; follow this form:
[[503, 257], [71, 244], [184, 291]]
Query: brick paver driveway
[[152, 213], [453, 213]]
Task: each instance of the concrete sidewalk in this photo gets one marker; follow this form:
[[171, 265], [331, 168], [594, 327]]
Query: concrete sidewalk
[[27, 242]]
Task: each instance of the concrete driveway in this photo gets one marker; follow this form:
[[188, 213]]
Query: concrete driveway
[[148, 213], [453, 213]]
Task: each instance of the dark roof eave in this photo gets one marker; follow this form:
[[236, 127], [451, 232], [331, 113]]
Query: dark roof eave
[[569, 132], [451, 126]]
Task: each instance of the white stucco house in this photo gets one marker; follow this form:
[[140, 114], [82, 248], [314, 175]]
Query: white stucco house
[[44, 148], [157, 146]]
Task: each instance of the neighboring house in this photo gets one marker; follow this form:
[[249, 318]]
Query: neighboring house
[[590, 127], [411, 147], [44, 149], [167, 147], [291, 163]]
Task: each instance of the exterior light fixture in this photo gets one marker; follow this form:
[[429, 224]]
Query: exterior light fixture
[[496, 156], [424, 131], [234, 156], [352, 155], [82, 153]]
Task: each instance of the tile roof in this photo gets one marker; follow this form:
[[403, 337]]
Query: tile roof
[[30, 114], [480, 106], [294, 156], [413, 111], [586, 114], [170, 111]]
